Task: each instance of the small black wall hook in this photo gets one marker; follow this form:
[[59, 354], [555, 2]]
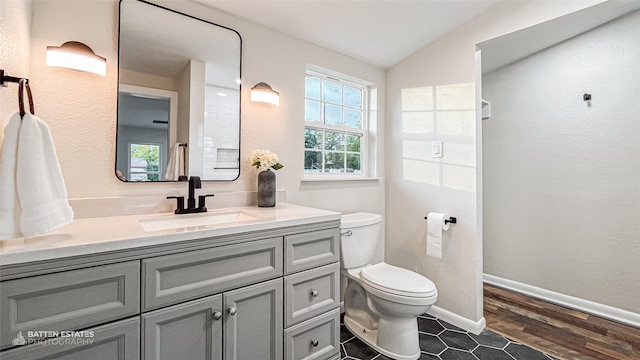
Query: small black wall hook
[[586, 97]]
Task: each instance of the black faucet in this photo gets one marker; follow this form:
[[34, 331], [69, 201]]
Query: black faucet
[[194, 183]]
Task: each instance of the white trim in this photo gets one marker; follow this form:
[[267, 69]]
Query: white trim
[[474, 327], [605, 311], [342, 177]]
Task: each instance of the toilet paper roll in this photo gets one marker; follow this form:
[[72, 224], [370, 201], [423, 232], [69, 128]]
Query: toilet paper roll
[[435, 227]]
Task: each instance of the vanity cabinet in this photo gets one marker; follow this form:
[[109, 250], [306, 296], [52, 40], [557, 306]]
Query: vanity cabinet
[[269, 295]]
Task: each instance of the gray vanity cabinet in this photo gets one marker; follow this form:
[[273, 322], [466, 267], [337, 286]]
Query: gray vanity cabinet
[[263, 295]]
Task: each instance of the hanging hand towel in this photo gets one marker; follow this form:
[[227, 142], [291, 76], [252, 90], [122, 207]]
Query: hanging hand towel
[[9, 208], [41, 190], [176, 163]]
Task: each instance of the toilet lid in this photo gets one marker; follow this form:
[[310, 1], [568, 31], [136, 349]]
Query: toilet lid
[[397, 280]]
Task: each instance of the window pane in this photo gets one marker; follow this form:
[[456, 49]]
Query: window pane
[[353, 163], [353, 118], [332, 92], [312, 110], [312, 139], [334, 141], [312, 90], [312, 161], [352, 97], [353, 143], [332, 114], [334, 162]]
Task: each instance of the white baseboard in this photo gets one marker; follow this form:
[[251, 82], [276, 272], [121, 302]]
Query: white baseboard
[[590, 307], [474, 327]]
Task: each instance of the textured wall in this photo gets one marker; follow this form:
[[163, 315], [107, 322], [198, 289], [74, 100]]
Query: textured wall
[[81, 108], [561, 177], [446, 185], [15, 37]]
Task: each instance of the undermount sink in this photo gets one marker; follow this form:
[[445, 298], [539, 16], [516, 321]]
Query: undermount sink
[[196, 220]]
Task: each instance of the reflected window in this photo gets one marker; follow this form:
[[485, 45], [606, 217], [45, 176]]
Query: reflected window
[[144, 162], [335, 125]]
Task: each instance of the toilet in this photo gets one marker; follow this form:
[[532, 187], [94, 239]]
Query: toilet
[[381, 302]]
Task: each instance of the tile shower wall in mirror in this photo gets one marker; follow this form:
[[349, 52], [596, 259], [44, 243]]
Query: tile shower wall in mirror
[[178, 96]]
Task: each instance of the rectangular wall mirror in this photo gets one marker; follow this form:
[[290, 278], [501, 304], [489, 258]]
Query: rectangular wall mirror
[[178, 96]]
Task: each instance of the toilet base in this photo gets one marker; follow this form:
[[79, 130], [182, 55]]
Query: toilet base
[[370, 337]]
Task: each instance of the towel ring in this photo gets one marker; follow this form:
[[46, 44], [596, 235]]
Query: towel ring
[[21, 85]]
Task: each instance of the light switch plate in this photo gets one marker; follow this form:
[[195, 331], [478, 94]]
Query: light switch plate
[[436, 149]]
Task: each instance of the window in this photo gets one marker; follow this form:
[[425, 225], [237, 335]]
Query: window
[[144, 162], [335, 139]]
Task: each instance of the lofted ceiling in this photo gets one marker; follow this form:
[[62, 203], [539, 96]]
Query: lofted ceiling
[[380, 32]]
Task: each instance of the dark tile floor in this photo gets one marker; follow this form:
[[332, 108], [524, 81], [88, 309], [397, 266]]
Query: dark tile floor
[[440, 340]]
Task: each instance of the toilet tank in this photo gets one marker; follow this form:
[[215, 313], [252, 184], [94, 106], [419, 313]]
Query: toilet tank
[[359, 235]]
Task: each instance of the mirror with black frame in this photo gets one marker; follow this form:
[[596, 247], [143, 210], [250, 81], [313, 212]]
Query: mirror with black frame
[[178, 96]]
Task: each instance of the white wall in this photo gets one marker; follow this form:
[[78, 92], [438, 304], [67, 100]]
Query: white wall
[[80, 108], [442, 80], [561, 176], [15, 37]]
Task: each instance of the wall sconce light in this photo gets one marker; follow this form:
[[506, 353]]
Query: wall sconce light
[[78, 56], [264, 93]]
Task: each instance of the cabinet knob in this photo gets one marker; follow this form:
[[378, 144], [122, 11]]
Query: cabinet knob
[[314, 342], [314, 293], [217, 315], [232, 311]]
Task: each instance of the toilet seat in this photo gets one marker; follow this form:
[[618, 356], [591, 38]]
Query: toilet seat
[[397, 283]]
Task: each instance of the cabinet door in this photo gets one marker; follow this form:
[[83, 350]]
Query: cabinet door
[[115, 341], [192, 330], [253, 322]]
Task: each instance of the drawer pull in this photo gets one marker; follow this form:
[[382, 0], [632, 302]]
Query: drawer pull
[[314, 342], [346, 233], [314, 293], [217, 315], [232, 311]]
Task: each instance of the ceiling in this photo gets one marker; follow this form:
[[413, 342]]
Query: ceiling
[[380, 32]]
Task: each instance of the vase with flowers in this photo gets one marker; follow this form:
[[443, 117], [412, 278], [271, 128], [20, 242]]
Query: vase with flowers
[[265, 160]]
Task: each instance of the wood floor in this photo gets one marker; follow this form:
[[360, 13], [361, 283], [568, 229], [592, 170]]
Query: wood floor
[[558, 331]]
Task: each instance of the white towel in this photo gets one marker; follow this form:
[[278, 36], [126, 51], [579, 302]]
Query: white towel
[[41, 190], [176, 163], [9, 207]]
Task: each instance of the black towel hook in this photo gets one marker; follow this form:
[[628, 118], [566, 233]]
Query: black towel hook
[[22, 83]]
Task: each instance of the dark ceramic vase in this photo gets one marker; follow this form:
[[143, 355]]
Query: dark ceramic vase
[[267, 188]]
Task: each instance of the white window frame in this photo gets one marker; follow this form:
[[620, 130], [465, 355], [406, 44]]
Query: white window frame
[[363, 133], [160, 171]]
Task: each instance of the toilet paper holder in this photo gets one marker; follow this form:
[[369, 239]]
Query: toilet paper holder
[[450, 220]]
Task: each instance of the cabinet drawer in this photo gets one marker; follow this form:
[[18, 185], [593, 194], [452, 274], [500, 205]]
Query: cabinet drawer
[[116, 341], [69, 300], [175, 278], [310, 293], [315, 339], [312, 249]]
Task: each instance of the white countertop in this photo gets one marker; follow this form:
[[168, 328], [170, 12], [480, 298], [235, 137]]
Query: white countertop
[[95, 235]]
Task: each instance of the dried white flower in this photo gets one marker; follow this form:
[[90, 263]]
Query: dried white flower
[[265, 159]]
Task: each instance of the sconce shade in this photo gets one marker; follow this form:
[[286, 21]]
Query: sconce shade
[[78, 56], [264, 93]]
